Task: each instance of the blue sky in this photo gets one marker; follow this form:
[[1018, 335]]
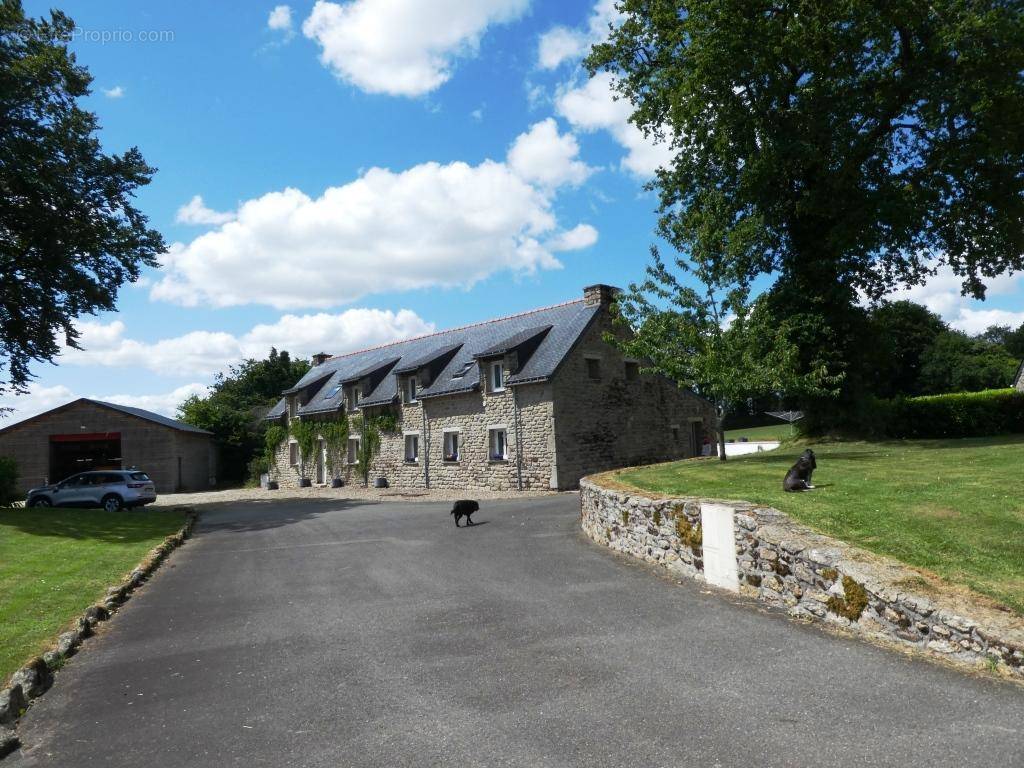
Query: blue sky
[[363, 177]]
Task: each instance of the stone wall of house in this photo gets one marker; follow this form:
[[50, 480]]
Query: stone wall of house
[[1019, 383], [175, 460], [614, 422], [472, 414], [812, 576]]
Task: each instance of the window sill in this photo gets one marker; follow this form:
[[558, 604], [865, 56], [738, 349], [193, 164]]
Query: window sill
[[411, 461], [451, 461]]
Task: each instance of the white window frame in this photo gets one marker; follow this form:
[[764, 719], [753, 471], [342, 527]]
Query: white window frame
[[457, 434], [492, 432], [293, 406], [416, 457], [496, 370], [293, 450], [348, 450], [352, 398]]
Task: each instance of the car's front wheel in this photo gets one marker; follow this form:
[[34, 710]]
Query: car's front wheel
[[112, 503], [40, 501]]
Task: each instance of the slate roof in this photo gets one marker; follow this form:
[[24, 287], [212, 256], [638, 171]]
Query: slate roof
[[565, 323], [138, 413], [507, 345]]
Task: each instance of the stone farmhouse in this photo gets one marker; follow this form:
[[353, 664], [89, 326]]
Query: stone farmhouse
[[532, 401], [1018, 382]]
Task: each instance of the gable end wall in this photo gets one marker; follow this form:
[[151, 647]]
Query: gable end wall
[[612, 422]]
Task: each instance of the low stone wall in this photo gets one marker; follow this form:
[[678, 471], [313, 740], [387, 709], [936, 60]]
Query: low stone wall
[[812, 576], [36, 677]]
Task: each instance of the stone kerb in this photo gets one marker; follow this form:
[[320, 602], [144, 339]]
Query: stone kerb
[[811, 576]]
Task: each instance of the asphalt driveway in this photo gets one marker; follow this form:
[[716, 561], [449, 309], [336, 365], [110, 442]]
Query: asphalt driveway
[[356, 634]]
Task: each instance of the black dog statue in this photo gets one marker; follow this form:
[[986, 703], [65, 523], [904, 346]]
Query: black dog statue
[[799, 476], [464, 508]]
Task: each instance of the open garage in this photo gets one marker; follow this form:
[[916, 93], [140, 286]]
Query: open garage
[[89, 434]]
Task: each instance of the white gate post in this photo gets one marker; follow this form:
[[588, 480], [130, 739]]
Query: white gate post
[[719, 546]]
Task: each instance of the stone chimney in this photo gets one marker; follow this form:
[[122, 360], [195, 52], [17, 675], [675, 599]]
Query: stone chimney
[[320, 358], [600, 295]]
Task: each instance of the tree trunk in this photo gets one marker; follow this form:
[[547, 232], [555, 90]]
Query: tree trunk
[[722, 411]]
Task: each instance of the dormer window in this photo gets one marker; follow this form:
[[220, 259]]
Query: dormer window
[[350, 400], [497, 377], [463, 370], [410, 390], [293, 406]]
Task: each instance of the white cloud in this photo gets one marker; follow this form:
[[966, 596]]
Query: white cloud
[[477, 114], [39, 399], [196, 212], [593, 107], [941, 294], [116, 92], [351, 330], [36, 400], [544, 157], [402, 47], [581, 236], [166, 402], [430, 226], [280, 19], [561, 44], [975, 321], [203, 353]]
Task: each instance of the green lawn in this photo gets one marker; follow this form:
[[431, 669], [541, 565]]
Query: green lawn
[[55, 563], [952, 507], [771, 432]]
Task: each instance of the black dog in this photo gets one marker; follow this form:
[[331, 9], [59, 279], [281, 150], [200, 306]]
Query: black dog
[[809, 455], [464, 508], [799, 476]]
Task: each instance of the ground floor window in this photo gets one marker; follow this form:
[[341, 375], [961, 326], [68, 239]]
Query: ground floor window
[[498, 444], [353, 450], [293, 454], [451, 446], [412, 447]]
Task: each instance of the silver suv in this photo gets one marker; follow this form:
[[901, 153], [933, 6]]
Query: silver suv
[[111, 489]]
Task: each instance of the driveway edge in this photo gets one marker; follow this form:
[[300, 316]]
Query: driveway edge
[[813, 577], [35, 678]]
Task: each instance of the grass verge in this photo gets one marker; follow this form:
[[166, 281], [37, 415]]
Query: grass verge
[[952, 507], [55, 563]]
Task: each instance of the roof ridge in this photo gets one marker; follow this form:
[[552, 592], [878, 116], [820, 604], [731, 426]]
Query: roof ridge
[[458, 328]]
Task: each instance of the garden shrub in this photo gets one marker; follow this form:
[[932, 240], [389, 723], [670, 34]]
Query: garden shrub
[[960, 414], [8, 481]]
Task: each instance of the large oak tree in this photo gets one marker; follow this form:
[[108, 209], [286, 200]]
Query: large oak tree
[[841, 148], [70, 235]]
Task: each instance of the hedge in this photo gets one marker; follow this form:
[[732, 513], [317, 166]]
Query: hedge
[[960, 414]]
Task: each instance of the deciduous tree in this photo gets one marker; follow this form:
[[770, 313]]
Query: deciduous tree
[[840, 149], [70, 235]]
